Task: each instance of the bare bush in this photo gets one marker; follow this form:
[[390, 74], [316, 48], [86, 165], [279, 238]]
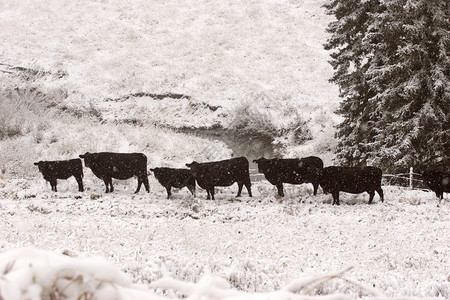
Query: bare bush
[[26, 110], [271, 116]]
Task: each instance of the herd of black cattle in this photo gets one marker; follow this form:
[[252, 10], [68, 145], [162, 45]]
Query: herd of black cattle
[[333, 179]]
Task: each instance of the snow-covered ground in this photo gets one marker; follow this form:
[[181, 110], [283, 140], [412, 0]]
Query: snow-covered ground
[[260, 244]]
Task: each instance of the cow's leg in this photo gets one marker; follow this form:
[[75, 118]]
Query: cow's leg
[[371, 195], [208, 197], [380, 193], [240, 185], [280, 189], [139, 185], [440, 196], [169, 192], [111, 187], [335, 198], [80, 183], [107, 185], [316, 186], [191, 189], [248, 186], [146, 184], [53, 184], [211, 191]]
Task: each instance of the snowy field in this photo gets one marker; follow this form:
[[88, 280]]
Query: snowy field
[[257, 245]]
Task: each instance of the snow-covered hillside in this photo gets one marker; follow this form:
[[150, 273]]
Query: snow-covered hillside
[[222, 55], [210, 50]]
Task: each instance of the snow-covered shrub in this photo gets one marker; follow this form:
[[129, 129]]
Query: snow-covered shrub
[[271, 116], [79, 110], [25, 110], [31, 273]]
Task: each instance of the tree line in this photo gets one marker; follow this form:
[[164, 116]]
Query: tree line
[[391, 63]]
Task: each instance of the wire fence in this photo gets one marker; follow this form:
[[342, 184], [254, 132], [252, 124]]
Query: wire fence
[[405, 179], [410, 179]]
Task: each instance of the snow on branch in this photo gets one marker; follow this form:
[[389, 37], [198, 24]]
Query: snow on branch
[[210, 287], [31, 273]]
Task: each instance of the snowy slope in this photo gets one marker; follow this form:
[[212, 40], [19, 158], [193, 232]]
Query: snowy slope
[[210, 50], [218, 53], [223, 55]]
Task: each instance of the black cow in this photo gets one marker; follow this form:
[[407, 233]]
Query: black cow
[[351, 180], [177, 178], [61, 169], [107, 165], [439, 182], [295, 171], [222, 173]]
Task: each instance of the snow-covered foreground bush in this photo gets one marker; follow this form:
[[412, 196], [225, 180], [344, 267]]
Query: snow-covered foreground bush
[[256, 246], [36, 274]]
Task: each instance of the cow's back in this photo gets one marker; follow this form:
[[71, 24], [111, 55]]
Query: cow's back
[[283, 170], [118, 165], [350, 179], [177, 178], [224, 172], [76, 166], [63, 169], [311, 168], [312, 162], [293, 170]]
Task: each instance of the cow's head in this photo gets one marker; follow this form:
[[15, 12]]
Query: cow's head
[[262, 164], [156, 171], [194, 168], [40, 164], [87, 159], [192, 164]]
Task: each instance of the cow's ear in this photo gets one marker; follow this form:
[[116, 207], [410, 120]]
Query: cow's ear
[[84, 155], [36, 163], [188, 165], [153, 170]]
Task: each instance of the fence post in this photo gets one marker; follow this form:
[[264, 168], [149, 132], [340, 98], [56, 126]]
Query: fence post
[[411, 177]]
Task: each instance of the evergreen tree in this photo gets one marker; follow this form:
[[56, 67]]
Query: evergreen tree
[[350, 62], [401, 118], [409, 75]]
